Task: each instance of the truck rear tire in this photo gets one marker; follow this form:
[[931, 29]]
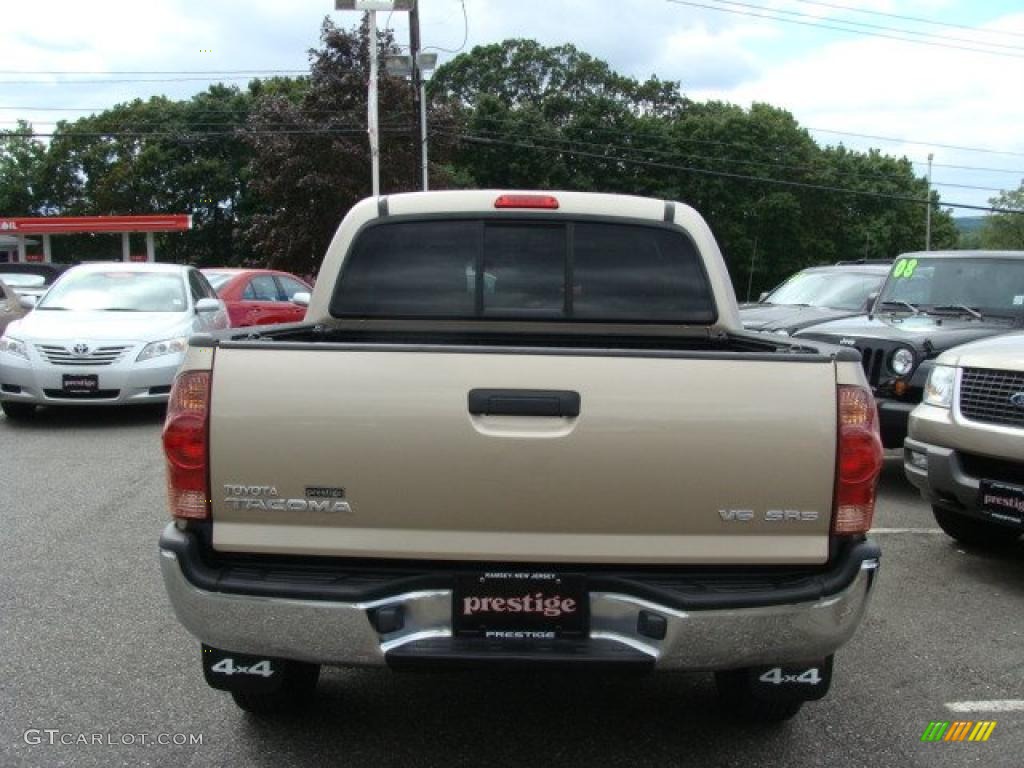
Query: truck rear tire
[[739, 699], [294, 695], [18, 411], [971, 531]]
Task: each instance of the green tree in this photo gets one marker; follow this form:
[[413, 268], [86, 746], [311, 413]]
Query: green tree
[[310, 153], [1005, 231], [159, 155], [544, 117], [21, 164]]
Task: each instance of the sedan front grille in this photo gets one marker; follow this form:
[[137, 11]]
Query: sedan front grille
[[99, 394], [59, 355], [985, 396]]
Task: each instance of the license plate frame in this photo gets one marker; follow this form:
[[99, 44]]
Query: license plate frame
[[512, 611], [1002, 502], [80, 383]]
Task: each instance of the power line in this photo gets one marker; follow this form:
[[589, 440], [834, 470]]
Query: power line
[[917, 143], [200, 134], [139, 126], [237, 120], [1014, 171], [129, 80], [186, 125], [471, 138], [820, 25], [917, 19], [875, 137], [738, 161], [897, 140], [739, 146], [155, 72], [465, 34], [816, 130], [867, 25], [727, 174]]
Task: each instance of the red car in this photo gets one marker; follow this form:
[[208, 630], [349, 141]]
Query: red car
[[258, 296]]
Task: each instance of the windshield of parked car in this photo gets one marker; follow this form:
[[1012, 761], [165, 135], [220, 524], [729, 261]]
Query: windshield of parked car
[[990, 285], [832, 289], [15, 280], [217, 279], [118, 291]]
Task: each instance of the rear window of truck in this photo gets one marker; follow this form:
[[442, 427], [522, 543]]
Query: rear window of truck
[[539, 269]]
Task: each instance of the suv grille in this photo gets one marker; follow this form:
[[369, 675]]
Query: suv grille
[[58, 355], [985, 396], [872, 360]]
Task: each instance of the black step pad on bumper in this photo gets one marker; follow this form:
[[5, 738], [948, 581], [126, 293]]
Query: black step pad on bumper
[[462, 652]]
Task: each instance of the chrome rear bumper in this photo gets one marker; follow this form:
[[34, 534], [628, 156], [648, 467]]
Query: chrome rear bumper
[[342, 633]]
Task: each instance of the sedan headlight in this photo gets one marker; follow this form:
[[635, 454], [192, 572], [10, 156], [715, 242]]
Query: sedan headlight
[[938, 390], [13, 347], [902, 362], [165, 347]]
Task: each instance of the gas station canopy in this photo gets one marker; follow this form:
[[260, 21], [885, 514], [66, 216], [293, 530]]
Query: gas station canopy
[[21, 227]]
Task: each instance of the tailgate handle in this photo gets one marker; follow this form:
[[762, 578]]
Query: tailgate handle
[[524, 402]]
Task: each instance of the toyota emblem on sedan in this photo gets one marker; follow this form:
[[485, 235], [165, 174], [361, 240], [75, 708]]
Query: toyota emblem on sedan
[[80, 349], [1017, 400]]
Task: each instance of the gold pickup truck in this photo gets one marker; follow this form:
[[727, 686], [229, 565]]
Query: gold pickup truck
[[521, 428]]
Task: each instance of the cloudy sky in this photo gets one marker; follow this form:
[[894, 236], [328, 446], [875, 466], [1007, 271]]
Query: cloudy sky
[[958, 95]]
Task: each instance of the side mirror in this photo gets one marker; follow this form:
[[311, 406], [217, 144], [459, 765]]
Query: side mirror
[[301, 298], [762, 297], [27, 302], [207, 305], [869, 302]]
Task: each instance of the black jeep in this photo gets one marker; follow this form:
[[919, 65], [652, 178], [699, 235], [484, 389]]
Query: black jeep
[[930, 302]]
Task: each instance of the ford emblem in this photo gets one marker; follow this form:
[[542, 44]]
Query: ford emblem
[[1017, 400]]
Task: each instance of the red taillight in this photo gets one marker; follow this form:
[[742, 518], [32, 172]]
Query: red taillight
[[186, 445], [859, 462], [526, 201]]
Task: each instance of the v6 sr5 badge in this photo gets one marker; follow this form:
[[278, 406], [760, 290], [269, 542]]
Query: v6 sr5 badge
[[769, 515]]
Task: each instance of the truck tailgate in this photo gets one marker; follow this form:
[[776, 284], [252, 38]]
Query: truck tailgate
[[673, 459]]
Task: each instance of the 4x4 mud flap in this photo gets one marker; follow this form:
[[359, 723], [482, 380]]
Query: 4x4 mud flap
[[242, 673], [807, 681]]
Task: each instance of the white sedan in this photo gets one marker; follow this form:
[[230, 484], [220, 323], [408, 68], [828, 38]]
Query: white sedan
[[105, 334]]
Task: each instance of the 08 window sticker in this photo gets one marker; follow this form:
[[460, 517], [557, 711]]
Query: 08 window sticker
[[904, 268]]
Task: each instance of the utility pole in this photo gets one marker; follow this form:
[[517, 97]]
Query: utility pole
[[753, 261], [928, 209], [753, 255], [372, 124], [371, 106], [420, 90]]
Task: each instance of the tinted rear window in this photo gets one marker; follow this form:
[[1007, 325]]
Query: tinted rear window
[[421, 269], [521, 270]]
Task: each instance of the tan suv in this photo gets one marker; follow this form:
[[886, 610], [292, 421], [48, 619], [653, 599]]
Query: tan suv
[[966, 445]]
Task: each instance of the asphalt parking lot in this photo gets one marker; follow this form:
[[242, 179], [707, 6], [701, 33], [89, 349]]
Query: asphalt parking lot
[[90, 648]]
